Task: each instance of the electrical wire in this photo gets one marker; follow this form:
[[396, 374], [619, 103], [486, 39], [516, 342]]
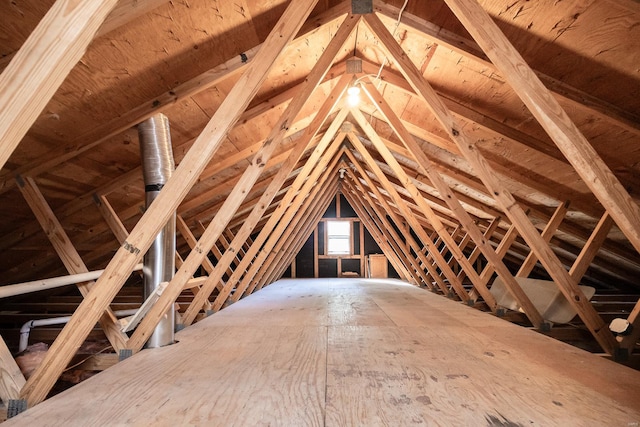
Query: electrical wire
[[395, 30]]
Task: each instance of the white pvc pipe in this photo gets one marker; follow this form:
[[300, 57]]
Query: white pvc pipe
[[54, 282], [26, 328]]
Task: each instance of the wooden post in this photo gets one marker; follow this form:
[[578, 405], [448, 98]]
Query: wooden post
[[171, 195], [42, 64]]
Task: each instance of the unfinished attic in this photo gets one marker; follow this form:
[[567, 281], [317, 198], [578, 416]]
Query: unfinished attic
[[320, 212]]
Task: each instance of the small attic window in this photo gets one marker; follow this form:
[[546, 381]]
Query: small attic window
[[338, 238]]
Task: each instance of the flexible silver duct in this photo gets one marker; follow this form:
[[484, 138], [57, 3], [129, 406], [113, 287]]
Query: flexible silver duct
[[159, 262]]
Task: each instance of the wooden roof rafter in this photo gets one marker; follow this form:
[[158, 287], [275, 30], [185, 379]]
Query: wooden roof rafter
[[198, 156], [502, 195]]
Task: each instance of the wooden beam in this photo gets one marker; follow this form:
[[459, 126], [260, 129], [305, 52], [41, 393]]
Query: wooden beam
[[188, 236], [285, 170], [235, 199], [174, 191], [128, 119], [312, 81], [11, 378], [476, 251], [461, 214], [384, 234], [386, 229], [293, 212], [547, 233], [42, 64], [306, 222], [112, 219], [119, 230], [390, 241], [299, 228], [68, 254], [406, 212], [500, 193], [282, 215], [591, 247], [302, 225], [385, 245], [628, 343], [124, 12], [469, 49], [552, 117]]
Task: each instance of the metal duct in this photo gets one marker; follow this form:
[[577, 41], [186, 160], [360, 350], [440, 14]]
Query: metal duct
[[159, 262]]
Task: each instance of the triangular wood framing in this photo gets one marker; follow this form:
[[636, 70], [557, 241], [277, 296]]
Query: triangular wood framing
[[443, 207]]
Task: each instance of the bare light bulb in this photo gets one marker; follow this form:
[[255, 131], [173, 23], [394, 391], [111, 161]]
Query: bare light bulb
[[353, 96]]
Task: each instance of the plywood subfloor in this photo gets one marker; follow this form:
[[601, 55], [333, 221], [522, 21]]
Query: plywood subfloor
[[346, 352]]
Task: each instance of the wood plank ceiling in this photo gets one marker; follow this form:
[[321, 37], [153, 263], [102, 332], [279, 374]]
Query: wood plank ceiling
[[450, 145]]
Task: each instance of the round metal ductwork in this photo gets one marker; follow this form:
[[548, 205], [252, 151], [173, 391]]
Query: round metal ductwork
[[159, 261]]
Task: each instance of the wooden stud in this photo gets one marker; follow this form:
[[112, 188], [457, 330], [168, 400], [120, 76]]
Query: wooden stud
[[469, 49], [191, 240], [591, 247], [106, 210], [315, 252]]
